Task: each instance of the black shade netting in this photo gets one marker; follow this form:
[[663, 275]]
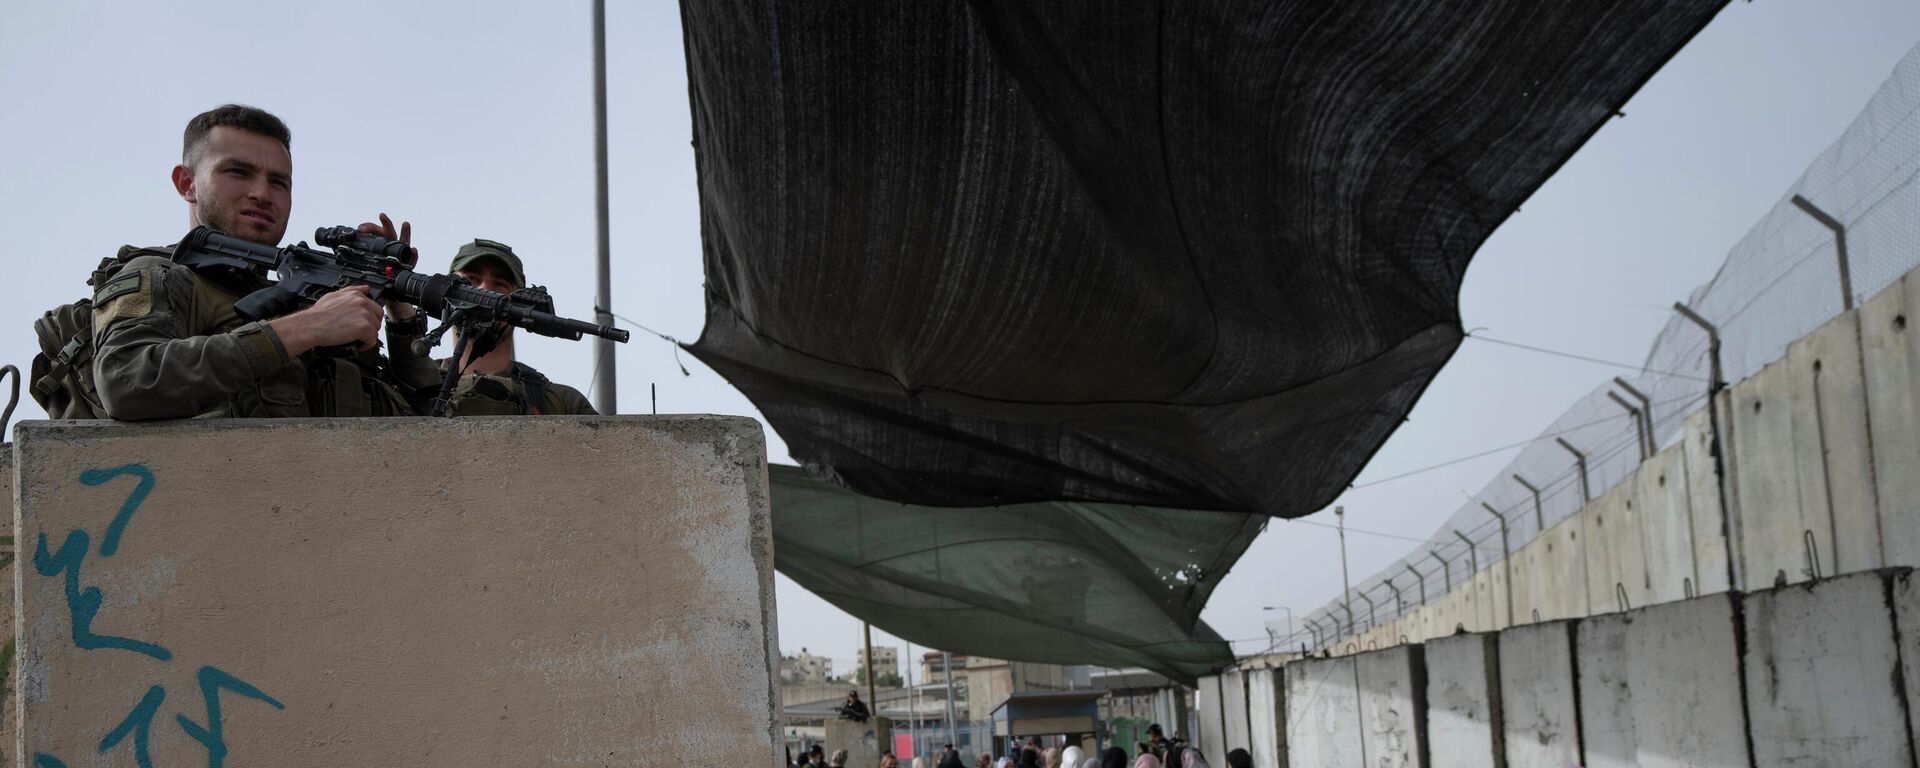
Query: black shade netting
[[1052, 582], [1200, 255]]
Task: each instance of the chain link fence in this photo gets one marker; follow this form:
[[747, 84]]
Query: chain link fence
[[1859, 200]]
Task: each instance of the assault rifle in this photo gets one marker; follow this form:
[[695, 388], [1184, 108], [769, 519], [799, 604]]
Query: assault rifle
[[358, 258]]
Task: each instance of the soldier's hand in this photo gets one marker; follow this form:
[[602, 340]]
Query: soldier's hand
[[346, 316], [400, 310]]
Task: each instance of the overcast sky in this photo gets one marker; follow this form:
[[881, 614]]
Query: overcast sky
[[474, 120]]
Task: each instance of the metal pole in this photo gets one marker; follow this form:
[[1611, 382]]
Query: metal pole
[[1445, 568], [1721, 447], [1639, 426], [1399, 606], [603, 383], [913, 712], [1646, 407], [873, 699], [1373, 617], [1579, 460], [1539, 516], [1340, 516], [946, 661], [1423, 583], [1506, 557], [1839, 246]]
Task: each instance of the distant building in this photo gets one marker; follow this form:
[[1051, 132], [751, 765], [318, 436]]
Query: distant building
[[806, 668], [886, 662]]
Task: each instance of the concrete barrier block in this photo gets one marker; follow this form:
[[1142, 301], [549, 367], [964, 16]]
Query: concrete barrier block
[[1233, 687], [1323, 712], [1771, 527], [1616, 564], [1558, 573], [1892, 366], [488, 591], [1832, 446], [1393, 707], [863, 741], [9, 557], [1484, 601], [1209, 706], [1661, 503], [1906, 617], [1501, 610], [1660, 686], [1606, 693], [1537, 695], [1267, 713], [1710, 524], [1463, 702], [1823, 674]]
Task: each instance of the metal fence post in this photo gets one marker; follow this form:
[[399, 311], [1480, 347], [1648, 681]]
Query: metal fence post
[[1423, 582], [1539, 515], [1579, 460], [1639, 425], [1839, 246], [1720, 441], [1646, 407], [1506, 557]]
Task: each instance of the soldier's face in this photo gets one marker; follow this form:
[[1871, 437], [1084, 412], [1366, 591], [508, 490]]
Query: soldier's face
[[241, 184]]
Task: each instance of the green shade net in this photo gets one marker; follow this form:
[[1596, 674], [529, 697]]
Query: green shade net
[[1052, 582]]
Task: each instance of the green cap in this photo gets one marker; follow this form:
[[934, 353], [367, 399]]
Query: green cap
[[488, 249]]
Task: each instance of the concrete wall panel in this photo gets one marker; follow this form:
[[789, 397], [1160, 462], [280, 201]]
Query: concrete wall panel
[[1661, 504], [1463, 702], [1209, 706], [1906, 615], [1616, 562], [1606, 692], [1323, 713], [487, 591], [1233, 686], [1767, 479], [1710, 530], [1393, 705], [1892, 365], [1537, 695], [1660, 686], [8, 558], [1267, 709], [1832, 446], [1822, 674]]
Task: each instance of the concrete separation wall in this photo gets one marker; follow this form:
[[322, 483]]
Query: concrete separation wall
[[1233, 686], [1892, 363], [1323, 713], [1266, 706], [1823, 673], [863, 741], [486, 591], [1209, 704], [1537, 695], [1393, 707], [1660, 686], [1463, 702], [9, 558]]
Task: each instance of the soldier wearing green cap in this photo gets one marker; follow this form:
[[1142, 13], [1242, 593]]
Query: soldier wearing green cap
[[494, 384]]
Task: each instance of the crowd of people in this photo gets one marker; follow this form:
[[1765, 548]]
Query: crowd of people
[[1159, 751]]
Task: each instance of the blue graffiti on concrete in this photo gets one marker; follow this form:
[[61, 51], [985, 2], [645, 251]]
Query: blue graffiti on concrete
[[110, 543], [139, 722], [213, 736], [83, 605]]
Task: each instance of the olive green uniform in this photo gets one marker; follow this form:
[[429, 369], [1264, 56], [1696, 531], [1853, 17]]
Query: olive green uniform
[[168, 344]]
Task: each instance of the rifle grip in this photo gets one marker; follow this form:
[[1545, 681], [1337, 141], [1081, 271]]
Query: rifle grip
[[266, 303]]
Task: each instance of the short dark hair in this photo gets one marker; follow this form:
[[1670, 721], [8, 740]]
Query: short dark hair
[[241, 116]]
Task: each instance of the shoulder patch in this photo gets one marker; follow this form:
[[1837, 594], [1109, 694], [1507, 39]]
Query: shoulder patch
[[124, 296], [116, 288]]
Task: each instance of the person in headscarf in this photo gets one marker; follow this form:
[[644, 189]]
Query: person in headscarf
[[1146, 760], [1191, 758], [1114, 757], [1052, 758], [1071, 757], [1005, 762], [919, 762]]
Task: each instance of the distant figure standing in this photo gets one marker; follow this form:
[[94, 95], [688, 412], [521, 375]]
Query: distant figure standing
[[950, 758], [854, 709]]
